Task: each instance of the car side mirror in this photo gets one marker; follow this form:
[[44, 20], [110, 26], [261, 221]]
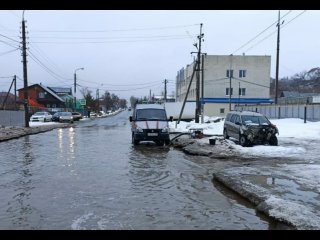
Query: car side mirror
[[237, 123], [130, 118], [171, 118]]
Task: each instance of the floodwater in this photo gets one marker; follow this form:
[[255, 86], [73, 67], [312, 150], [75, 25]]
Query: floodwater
[[90, 176]]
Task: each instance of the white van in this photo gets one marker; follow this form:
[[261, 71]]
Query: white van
[[149, 123]]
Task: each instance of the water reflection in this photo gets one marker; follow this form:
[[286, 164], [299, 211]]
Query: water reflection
[[20, 208], [148, 167]]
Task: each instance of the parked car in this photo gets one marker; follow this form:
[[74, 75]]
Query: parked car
[[66, 117], [149, 123], [41, 117], [76, 116], [62, 117], [250, 128], [56, 116]]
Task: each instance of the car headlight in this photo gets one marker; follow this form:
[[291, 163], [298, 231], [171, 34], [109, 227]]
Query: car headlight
[[139, 129], [165, 130]]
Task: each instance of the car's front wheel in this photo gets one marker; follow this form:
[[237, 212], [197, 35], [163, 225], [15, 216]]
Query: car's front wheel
[[273, 141], [134, 141], [243, 141]]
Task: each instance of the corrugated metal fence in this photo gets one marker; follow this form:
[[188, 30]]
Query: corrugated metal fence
[[11, 118], [312, 111]]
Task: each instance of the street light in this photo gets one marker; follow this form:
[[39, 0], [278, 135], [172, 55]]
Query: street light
[[75, 87]]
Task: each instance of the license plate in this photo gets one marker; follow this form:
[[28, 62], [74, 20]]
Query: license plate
[[152, 134]]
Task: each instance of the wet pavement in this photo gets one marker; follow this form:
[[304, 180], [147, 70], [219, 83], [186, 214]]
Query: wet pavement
[[90, 176]]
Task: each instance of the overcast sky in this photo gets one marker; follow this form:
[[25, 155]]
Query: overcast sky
[[130, 52]]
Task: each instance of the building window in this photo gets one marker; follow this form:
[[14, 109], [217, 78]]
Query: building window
[[221, 110], [227, 91], [242, 73], [242, 91], [228, 73], [41, 94]]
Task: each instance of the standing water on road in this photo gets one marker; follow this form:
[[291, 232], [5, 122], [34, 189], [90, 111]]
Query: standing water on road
[[91, 177]]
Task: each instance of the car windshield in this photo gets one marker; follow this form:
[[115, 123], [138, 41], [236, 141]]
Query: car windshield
[[261, 120], [66, 114], [151, 114], [39, 113]]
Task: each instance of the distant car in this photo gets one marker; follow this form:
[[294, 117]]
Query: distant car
[[250, 128], [41, 117], [66, 117], [76, 116], [93, 114], [62, 117], [56, 116]]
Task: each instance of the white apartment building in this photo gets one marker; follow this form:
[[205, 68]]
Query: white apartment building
[[248, 76]]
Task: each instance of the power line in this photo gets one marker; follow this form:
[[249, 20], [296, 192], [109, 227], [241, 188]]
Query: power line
[[45, 57], [9, 44], [48, 70], [118, 30], [260, 33], [122, 90], [117, 85], [9, 38], [10, 51], [124, 37], [128, 41], [274, 32]]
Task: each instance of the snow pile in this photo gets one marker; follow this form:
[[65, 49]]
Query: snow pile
[[297, 214]]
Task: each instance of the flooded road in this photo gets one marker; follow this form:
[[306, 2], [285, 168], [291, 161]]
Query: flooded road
[[92, 177]]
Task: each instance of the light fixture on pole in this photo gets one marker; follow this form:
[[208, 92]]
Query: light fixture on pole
[[75, 87]]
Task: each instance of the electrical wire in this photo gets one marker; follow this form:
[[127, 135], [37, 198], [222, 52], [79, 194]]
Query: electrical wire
[[274, 32], [10, 51], [128, 41], [260, 33], [118, 30]]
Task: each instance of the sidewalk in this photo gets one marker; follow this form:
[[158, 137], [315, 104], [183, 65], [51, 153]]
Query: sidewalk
[[8, 133]]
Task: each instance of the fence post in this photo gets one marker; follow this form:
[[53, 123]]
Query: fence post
[[279, 112], [305, 114]]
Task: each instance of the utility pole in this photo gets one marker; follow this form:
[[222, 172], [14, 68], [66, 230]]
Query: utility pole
[[165, 90], [198, 106], [75, 87], [97, 97], [277, 63], [25, 75], [75, 91], [230, 76], [5, 100], [186, 97], [15, 92], [239, 96], [150, 96], [202, 88]]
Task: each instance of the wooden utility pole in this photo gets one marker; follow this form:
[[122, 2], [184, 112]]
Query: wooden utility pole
[[230, 76], [15, 92], [198, 105], [186, 97], [277, 63], [25, 75], [165, 90], [202, 88]]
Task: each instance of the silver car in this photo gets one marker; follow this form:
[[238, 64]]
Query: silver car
[[66, 117], [41, 117]]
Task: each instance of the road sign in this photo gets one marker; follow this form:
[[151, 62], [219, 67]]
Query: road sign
[[82, 102]]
